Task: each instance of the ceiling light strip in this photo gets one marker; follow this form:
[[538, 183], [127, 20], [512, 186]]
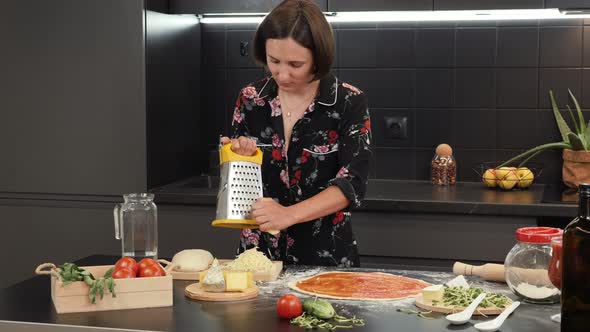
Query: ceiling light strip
[[413, 16]]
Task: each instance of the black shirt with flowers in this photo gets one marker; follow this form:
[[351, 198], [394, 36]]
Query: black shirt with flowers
[[330, 146]]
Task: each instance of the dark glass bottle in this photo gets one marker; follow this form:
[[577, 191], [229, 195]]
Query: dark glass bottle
[[575, 292]]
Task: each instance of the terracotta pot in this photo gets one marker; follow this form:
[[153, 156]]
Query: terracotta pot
[[576, 167]]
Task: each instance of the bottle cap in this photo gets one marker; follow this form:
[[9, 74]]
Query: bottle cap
[[537, 234]]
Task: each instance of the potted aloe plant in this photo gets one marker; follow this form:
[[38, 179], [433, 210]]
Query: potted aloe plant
[[575, 144]]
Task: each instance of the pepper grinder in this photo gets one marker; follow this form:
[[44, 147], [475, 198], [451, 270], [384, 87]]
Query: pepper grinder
[[443, 166]]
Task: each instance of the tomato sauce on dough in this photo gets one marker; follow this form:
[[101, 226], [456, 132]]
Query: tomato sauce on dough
[[362, 285]]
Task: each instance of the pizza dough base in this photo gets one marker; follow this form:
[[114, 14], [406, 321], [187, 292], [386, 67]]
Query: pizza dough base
[[293, 285]]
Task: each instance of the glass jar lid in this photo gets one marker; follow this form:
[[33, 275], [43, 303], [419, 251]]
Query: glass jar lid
[[537, 234]]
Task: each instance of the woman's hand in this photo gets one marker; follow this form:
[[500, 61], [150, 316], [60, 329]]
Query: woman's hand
[[271, 216], [241, 145]]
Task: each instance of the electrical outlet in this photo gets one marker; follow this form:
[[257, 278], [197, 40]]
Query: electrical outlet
[[396, 127]]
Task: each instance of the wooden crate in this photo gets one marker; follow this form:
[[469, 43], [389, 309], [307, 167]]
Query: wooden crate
[[132, 293]]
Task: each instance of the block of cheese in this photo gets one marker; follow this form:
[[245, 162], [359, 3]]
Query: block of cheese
[[203, 274], [234, 281], [237, 281], [213, 280], [433, 293], [458, 281]]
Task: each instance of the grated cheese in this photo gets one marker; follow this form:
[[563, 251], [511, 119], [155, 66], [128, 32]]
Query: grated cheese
[[250, 260]]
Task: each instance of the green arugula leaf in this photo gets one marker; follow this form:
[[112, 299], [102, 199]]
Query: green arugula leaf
[[109, 272], [92, 293], [100, 283], [89, 281], [111, 286]]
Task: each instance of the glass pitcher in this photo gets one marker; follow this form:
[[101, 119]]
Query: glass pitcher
[[136, 225]]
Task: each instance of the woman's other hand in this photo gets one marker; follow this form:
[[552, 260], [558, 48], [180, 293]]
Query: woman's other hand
[[241, 145], [271, 216]]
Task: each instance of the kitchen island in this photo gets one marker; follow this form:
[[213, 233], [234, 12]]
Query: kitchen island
[[30, 302]]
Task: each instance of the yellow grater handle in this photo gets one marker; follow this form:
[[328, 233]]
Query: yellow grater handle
[[235, 223], [227, 155], [240, 224]]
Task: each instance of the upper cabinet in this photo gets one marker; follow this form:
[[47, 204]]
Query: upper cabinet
[[98, 97], [73, 119], [487, 4], [567, 3], [375, 5], [228, 6]]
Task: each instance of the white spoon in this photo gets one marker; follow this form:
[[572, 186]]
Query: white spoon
[[494, 325], [464, 316]]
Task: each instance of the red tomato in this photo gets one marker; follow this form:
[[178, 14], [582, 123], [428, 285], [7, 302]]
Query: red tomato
[[289, 306], [123, 273], [154, 270], [145, 263], [127, 263]]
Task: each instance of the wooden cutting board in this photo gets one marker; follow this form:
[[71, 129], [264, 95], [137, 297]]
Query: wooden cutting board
[[427, 305], [180, 275], [272, 275], [195, 292]]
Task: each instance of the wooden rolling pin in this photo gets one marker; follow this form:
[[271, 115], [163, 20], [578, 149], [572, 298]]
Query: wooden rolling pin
[[497, 272], [489, 271]]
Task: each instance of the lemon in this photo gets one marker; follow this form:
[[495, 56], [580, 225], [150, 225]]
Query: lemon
[[525, 177], [507, 178], [489, 178]]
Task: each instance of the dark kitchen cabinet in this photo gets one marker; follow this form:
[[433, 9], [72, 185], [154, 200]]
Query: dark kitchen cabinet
[[65, 231], [567, 3], [375, 5], [72, 97], [228, 6], [418, 235], [487, 4], [76, 112], [43, 231]]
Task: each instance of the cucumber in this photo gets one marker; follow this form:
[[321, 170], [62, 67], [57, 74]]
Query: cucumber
[[320, 308]]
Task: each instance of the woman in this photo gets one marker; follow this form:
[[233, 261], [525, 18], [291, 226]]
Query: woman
[[315, 134]]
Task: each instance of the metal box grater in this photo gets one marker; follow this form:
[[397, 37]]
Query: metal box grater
[[240, 186]]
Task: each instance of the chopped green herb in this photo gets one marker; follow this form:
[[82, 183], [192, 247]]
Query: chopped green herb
[[421, 314], [320, 314], [70, 272], [309, 322], [462, 297]]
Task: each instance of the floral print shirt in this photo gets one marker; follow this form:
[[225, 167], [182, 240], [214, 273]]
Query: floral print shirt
[[330, 146]]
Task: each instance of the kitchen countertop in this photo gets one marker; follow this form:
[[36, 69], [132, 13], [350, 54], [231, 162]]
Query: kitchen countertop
[[30, 302], [411, 196]]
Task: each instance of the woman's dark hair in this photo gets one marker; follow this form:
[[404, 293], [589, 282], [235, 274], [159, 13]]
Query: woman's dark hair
[[303, 21]]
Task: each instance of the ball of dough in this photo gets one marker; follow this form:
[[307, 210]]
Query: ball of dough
[[192, 260]]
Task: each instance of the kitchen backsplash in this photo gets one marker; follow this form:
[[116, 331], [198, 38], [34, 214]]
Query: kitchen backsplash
[[482, 87]]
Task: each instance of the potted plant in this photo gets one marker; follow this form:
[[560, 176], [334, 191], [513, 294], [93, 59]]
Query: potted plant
[[575, 144]]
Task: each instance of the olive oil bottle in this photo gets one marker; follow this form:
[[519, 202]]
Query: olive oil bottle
[[575, 292]]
